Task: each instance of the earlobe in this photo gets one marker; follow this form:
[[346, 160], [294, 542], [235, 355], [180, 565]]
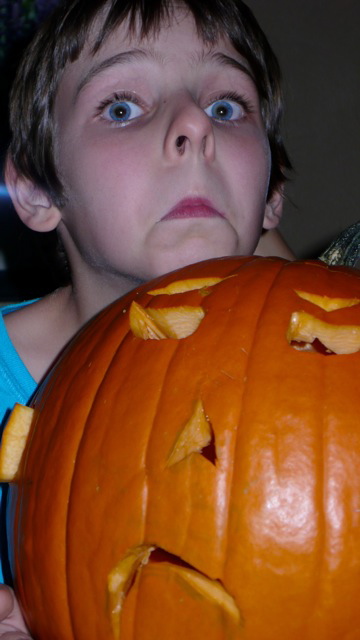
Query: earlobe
[[32, 204], [273, 209]]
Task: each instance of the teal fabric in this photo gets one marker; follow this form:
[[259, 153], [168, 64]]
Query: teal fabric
[[16, 385]]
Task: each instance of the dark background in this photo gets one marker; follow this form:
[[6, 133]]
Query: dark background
[[318, 44], [27, 264]]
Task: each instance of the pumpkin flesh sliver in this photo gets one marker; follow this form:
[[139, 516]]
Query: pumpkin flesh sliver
[[194, 437], [340, 339], [327, 303], [160, 324], [182, 286], [14, 441], [120, 580], [210, 589]]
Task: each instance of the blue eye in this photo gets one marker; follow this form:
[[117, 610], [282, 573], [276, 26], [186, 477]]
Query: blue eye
[[225, 110], [123, 111]]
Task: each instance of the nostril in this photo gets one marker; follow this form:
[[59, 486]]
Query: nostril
[[180, 141]]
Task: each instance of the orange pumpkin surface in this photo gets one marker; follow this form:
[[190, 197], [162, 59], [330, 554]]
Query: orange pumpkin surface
[[205, 486]]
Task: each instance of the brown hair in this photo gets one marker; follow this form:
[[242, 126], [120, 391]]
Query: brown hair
[[61, 40]]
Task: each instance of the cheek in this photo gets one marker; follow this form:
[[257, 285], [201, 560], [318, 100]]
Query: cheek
[[248, 159], [98, 153]]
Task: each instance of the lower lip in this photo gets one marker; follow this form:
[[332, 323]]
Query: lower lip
[[193, 211]]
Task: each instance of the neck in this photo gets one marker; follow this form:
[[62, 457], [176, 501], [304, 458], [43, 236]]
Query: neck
[[87, 296]]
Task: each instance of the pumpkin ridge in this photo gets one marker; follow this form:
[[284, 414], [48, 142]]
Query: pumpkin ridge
[[50, 389], [318, 578], [163, 392], [325, 576], [108, 328], [67, 527], [225, 515], [43, 397], [277, 270]]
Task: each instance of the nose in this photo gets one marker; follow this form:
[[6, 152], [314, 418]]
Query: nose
[[190, 132]]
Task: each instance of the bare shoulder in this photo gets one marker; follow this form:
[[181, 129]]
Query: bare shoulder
[[272, 243], [40, 330]]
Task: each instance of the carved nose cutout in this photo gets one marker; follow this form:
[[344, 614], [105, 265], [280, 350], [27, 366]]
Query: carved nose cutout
[[197, 436]]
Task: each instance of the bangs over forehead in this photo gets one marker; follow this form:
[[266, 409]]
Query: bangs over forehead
[[147, 18], [78, 22], [213, 18]]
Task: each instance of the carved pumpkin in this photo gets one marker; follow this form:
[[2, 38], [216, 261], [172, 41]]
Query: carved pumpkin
[[206, 484]]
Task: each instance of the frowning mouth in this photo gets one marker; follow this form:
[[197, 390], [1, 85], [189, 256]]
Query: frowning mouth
[[165, 565], [193, 208]]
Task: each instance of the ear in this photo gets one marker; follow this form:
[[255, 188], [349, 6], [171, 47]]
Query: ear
[[273, 208], [33, 206]]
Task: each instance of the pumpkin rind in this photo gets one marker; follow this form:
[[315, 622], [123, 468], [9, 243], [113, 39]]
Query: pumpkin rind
[[274, 518]]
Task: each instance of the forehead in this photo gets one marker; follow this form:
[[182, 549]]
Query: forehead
[[176, 35]]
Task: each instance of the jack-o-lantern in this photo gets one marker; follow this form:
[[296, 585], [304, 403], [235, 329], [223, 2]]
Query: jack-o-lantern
[[193, 464]]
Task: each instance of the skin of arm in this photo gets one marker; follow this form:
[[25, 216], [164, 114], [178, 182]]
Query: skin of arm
[[12, 625]]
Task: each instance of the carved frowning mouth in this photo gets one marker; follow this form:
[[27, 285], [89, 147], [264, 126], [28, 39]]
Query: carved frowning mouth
[[124, 575]]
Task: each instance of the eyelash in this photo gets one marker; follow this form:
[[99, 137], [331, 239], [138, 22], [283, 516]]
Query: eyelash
[[113, 99], [129, 97], [233, 96]]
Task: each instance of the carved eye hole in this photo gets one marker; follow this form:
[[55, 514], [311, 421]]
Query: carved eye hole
[[327, 303], [161, 324], [308, 333], [191, 284], [172, 322], [197, 436]]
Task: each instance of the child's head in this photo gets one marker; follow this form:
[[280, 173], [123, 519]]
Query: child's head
[[63, 39], [74, 60]]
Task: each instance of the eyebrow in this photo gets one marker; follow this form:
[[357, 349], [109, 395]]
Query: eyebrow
[[138, 54], [120, 58], [228, 61]]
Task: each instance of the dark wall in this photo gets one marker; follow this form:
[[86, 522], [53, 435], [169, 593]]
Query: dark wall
[[318, 43], [27, 264]]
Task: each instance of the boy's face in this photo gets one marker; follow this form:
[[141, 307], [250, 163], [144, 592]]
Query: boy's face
[[162, 152]]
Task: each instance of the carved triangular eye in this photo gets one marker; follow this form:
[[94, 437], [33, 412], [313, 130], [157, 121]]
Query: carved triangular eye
[[339, 339], [327, 303], [160, 324], [191, 284], [196, 437]]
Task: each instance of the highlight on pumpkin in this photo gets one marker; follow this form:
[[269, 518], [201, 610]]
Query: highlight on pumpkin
[[14, 441], [327, 303], [191, 284], [159, 324], [339, 339], [194, 437], [120, 580]]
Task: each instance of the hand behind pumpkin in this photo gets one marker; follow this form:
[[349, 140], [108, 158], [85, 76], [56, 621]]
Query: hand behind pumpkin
[[12, 625]]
